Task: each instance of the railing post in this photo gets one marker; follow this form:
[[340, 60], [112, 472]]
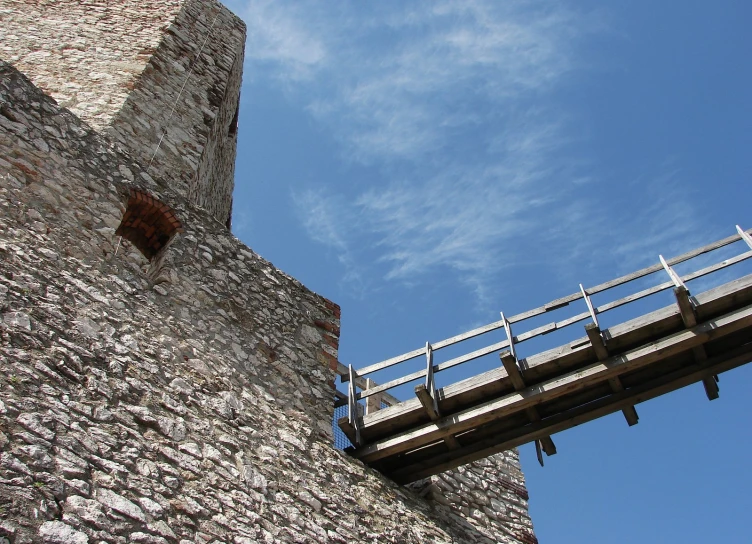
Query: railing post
[[430, 381], [590, 308], [673, 275], [746, 237], [508, 331], [352, 406], [373, 402]]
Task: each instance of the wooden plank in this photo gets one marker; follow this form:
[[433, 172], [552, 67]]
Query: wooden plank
[[538, 453], [429, 405], [571, 320], [393, 383], [389, 362], [601, 352], [635, 296], [686, 308], [478, 353], [513, 371], [596, 340], [538, 331], [348, 429], [583, 414], [562, 385], [427, 401]]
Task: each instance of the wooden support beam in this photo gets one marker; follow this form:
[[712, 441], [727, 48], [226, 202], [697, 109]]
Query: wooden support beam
[[689, 317], [430, 407], [426, 400], [348, 429], [601, 352], [513, 369]]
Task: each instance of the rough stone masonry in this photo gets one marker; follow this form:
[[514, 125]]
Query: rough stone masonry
[[184, 397]]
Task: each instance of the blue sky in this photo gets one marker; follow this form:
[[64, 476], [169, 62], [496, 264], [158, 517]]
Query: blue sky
[[429, 164]]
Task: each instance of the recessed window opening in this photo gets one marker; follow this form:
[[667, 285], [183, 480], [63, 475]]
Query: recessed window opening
[[148, 224]]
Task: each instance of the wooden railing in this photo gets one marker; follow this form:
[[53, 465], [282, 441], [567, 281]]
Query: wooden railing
[[427, 393]]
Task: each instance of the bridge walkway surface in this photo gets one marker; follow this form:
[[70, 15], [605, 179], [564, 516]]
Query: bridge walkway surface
[[529, 399]]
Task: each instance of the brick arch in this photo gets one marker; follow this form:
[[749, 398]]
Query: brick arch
[[148, 223]]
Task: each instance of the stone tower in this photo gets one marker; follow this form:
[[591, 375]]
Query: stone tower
[[161, 382], [159, 79]]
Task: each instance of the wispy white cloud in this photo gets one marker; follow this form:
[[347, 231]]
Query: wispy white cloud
[[454, 102]]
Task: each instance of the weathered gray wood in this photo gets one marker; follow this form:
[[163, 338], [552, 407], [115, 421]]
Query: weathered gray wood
[[538, 453], [601, 352], [596, 340], [510, 338], [744, 236], [429, 405], [353, 417], [430, 381], [544, 365], [556, 387], [347, 428], [589, 305], [670, 271], [427, 401], [687, 310], [538, 331], [661, 386], [513, 371], [362, 383]]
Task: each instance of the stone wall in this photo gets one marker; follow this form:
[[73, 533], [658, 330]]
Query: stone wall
[[132, 70], [490, 494], [197, 409]]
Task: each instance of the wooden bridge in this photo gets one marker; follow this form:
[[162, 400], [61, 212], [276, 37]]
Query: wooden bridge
[[529, 399]]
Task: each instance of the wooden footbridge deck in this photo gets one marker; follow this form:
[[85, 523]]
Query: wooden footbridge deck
[[529, 399]]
